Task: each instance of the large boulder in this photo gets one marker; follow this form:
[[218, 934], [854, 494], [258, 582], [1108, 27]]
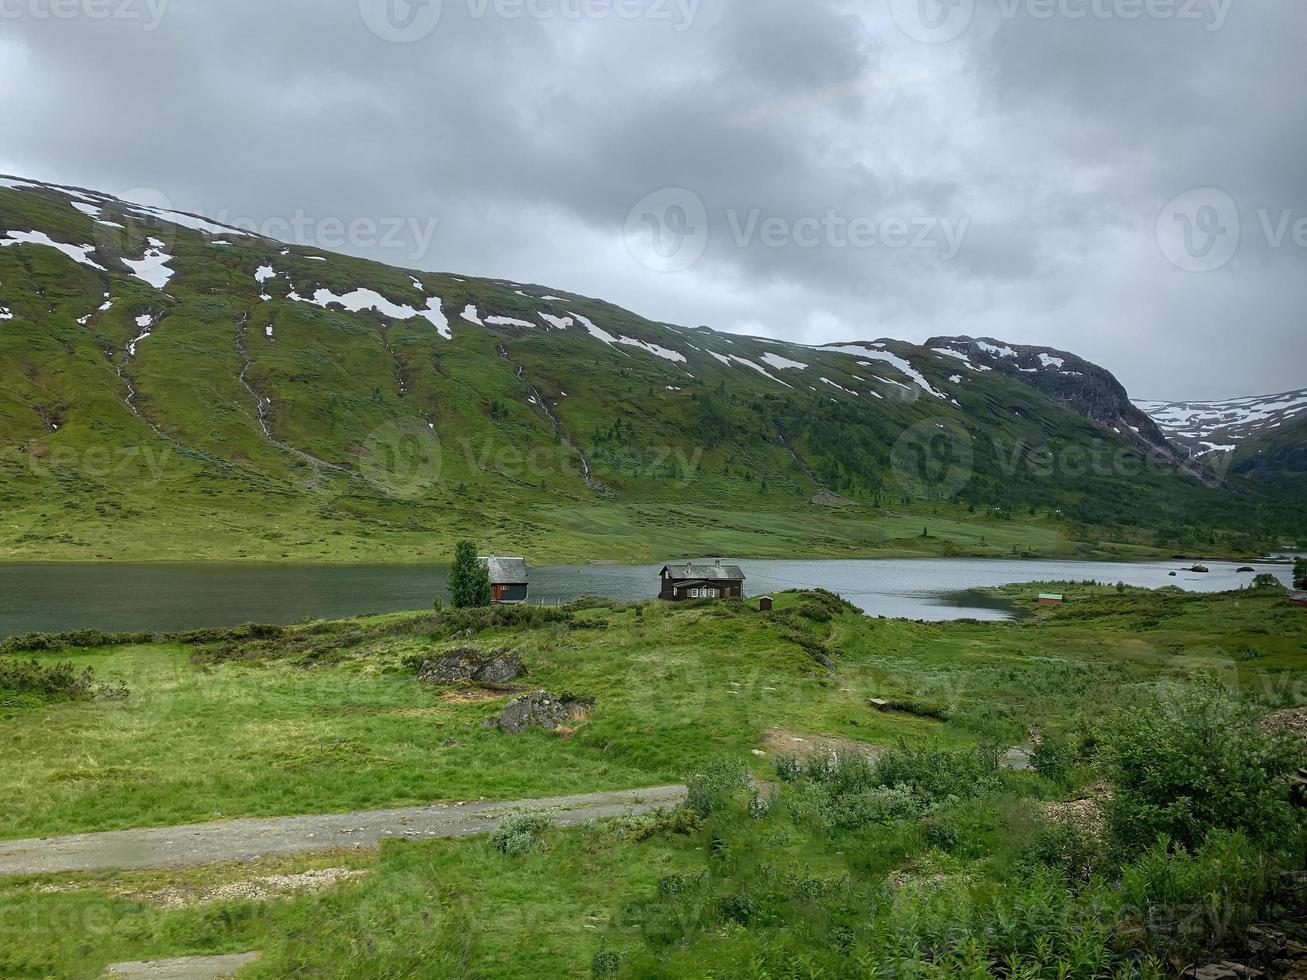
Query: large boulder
[[468, 665], [539, 710]]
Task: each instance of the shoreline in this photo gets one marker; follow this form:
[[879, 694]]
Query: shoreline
[[618, 563]]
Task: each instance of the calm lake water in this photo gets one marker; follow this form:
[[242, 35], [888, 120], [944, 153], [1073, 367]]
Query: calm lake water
[[112, 596]]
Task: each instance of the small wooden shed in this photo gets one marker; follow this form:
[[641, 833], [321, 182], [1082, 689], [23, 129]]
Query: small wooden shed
[[765, 604], [1051, 599], [1299, 599]]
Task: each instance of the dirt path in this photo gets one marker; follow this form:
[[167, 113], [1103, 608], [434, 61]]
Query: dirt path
[[246, 839]]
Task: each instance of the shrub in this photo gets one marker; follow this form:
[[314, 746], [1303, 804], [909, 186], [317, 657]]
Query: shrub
[[1054, 758], [1065, 848], [1191, 760], [710, 789], [937, 775], [1224, 884], [788, 768], [523, 833], [82, 638], [606, 963], [737, 908], [48, 682], [1266, 582], [881, 805]]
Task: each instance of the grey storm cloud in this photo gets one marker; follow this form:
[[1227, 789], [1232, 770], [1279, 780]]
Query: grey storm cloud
[[1064, 172]]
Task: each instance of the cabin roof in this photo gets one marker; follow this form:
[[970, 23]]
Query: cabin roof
[[1300, 597], [707, 572], [506, 571]]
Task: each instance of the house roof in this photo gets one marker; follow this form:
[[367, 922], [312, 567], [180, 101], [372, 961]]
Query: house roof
[[506, 571], [710, 572], [1300, 597]]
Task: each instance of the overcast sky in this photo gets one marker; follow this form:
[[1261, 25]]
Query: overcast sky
[[1126, 179]]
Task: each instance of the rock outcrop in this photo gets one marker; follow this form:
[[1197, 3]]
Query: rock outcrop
[[468, 665], [540, 710]]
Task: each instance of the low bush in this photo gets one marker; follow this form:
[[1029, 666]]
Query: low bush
[[937, 775], [720, 779], [25, 682], [523, 833], [1191, 760], [1054, 758], [71, 639]]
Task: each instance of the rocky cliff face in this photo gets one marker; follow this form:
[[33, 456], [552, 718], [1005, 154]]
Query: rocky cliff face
[[1072, 382], [1068, 380]]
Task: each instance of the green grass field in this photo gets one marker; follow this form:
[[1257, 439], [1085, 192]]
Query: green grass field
[[327, 717]]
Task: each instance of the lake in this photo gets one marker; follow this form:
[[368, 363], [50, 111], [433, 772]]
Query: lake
[[173, 596]]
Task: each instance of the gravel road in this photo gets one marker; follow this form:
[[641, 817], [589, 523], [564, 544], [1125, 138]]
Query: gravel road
[[247, 839]]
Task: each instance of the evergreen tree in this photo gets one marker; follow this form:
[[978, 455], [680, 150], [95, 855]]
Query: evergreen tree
[[469, 580]]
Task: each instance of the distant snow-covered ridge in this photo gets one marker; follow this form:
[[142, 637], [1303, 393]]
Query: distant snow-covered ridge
[[1224, 426]]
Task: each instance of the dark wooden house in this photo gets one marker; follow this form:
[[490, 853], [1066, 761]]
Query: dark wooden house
[[508, 579], [706, 580]]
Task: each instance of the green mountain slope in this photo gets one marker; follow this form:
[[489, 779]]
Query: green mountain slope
[[170, 388]]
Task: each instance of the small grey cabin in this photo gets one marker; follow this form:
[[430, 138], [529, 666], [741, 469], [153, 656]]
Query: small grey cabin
[[508, 579], [709, 580]]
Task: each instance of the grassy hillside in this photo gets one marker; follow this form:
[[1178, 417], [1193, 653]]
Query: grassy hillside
[[836, 869], [241, 410]]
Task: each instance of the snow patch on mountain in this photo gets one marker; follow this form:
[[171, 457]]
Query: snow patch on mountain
[[369, 299], [191, 221], [557, 322], [776, 361], [731, 360], [871, 352], [840, 387], [81, 254], [153, 268], [147, 323], [600, 334]]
